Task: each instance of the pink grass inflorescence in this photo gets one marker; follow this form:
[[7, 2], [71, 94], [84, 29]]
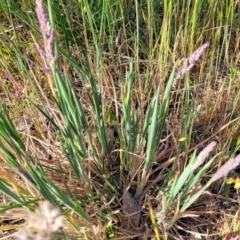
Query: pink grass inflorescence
[[47, 33]]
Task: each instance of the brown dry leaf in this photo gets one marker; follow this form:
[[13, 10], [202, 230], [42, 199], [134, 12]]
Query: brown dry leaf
[[131, 209]]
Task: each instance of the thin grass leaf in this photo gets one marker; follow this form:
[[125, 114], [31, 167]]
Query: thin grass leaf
[[151, 145], [40, 185], [127, 125], [9, 133], [6, 189], [73, 205], [192, 182], [9, 157], [192, 199], [98, 111], [29, 204], [156, 125], [179, 182], [186, 128], [164, 107]]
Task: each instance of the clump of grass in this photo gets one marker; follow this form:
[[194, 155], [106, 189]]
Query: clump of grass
[[120, 112]]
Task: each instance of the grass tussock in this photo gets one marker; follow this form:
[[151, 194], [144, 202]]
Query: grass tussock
[[119, 119]]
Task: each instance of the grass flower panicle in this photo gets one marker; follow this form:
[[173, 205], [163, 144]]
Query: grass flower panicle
[[204, 154], [46, 221], [189, 63], [230, 165], [48, 34], [46, 217]]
